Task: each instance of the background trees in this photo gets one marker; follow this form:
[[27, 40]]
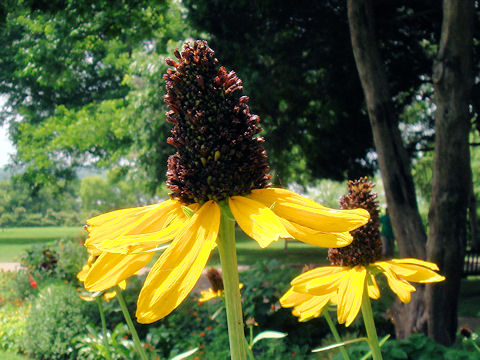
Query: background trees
[[84, 86]]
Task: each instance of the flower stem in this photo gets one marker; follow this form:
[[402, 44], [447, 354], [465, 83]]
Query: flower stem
[[233, 305], [370, 325], [128, 319], [104, 326], [334, 331]]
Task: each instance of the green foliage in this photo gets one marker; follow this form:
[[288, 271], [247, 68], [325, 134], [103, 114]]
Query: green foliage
[[62, 259], [417, 347], [56, 317], [92, 346], [14, 287], [12, 325], [22, 206], [68, 69]]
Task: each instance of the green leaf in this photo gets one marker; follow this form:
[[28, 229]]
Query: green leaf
[[185, 354], [343, 343], [268, 335]]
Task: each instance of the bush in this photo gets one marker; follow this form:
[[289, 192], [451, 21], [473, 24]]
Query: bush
[[62, 259], [57, 316], [417, 347], [14, 287], [12, 326]]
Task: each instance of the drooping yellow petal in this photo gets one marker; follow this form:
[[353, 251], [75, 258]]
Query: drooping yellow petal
[[428, 265], [110, 269], [257, 220], [350, 294], [114, 228], [292, 298], [323, 285], [305, 212], [317, 238], [415, 273], [319, 272], [311, 308], [400, 287], [177, 270], [373, 290]]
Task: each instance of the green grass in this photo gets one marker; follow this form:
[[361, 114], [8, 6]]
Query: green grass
[[11, 356], [13, 241], [469, 300]]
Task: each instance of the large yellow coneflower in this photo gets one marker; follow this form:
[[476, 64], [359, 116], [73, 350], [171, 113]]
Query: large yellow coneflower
[[218, 172]]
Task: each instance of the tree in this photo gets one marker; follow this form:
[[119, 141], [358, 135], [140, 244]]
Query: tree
[[301, 80], [452, 175], [65, 69], [392, 157]]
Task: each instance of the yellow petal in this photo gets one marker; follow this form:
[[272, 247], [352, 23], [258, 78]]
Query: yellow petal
[[373, 290], [350, 294], [209, 295], [305, 212], [319, 272], [135, 222], [428, 265], [400, 287], [110, 269], [177, 270], [318, 238], [311, 308], [292, 298], [324, 285], [413, 272], [134, 244], [257, 220]]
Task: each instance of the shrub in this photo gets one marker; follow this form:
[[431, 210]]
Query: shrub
[[12, 326], [14, 287], [72, 255], [62, 259], [57, 316]]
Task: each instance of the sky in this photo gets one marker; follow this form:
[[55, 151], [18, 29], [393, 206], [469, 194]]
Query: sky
[[6, 147]]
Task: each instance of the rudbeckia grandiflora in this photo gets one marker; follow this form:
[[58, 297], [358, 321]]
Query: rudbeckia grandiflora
[[352, 275], [220, 165]]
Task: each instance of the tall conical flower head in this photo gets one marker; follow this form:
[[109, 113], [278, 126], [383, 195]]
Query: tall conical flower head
[[366, 247], [218, 153]]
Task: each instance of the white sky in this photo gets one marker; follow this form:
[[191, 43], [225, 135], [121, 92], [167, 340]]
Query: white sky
[[6, 147]]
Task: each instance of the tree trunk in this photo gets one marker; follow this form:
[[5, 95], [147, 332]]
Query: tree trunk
[[392, 157], [473, 220], [452, 75]]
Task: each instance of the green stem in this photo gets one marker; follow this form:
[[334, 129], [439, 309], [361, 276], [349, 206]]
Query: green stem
[[128, 319], [334, 331], [370, 325], [104, 326], [233, 305]]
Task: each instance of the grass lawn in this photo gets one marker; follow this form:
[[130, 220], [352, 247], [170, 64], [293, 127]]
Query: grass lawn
[[14, 240], [11, 356], [469, 300]]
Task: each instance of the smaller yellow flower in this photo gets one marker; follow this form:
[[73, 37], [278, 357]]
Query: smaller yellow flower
[[216, 290], [352, 275], [344, 286]]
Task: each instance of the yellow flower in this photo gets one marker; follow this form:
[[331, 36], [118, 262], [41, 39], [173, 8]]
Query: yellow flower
[[265, 215], [220, 167], [344, 286]]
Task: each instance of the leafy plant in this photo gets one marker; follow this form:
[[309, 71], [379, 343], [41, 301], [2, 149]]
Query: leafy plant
[[12, 326], [57, 316]]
